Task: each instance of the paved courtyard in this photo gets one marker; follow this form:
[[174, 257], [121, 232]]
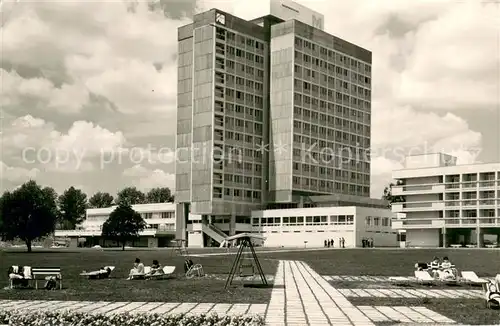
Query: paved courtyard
[[300, 297]]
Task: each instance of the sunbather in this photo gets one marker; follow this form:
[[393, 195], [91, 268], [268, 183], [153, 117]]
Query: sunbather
[[155, 269], [138, 269], [447, 272], [19, 275], [421, 266], [434, 267], [492, 293], [103, 272]]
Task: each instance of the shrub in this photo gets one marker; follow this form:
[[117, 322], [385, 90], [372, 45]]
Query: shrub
[[68, 318]]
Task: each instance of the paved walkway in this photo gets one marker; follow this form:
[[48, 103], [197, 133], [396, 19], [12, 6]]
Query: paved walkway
[[105, 307], [302, 297], [378, 279], [412, 293]]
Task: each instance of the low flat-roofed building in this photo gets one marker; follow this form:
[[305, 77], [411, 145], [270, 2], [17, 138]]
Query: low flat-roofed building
[[160, 231], [310, 227]]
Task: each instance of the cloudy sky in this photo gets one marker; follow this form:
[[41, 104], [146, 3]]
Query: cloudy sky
[[88, 88]]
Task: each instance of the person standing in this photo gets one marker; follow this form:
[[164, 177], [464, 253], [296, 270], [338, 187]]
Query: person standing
[[333, 244], [343, 243]]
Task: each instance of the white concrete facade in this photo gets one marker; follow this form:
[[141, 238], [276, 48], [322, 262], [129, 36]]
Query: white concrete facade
[[310, 227], [160, 219], [444, 203]]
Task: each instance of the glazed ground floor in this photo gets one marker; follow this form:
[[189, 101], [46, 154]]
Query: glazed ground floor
[[144, 242], [453, 237]]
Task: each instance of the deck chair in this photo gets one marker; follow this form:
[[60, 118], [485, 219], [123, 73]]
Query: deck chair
[[399, 280], [104, 272], [492, 295], [471, 278], [147, 270], [447, 276], [424, 277], [195, 271], [168, 271]]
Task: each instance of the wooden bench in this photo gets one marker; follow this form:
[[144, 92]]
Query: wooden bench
[[46, 271]]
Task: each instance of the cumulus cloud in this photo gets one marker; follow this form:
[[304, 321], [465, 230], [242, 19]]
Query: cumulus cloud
[[103, 49], [16, 174], [35, 142], [147, 179], [430, 58]]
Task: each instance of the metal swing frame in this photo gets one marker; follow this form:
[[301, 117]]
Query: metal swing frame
[[246, 242]]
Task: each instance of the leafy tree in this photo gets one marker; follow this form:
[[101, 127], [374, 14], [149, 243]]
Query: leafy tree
[[1, 218], [388, 194], [101, 200], [159, 195], [123, 224], [29, 213], [72, 207], [130, 196]]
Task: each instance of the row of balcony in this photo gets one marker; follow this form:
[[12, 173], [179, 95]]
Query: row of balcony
[[449, 222], [420, 206], [402, 190]]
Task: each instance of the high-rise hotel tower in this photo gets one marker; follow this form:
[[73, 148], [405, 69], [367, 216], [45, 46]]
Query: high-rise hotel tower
[[270, 112]]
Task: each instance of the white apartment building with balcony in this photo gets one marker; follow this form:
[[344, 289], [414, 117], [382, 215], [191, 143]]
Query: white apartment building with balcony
[[446, 204], [160, 231]]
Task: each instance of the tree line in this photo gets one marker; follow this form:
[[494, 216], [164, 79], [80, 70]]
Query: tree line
[[31, 212]]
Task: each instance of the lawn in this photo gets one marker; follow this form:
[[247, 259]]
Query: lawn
[[391, 262], [178, 289], [356, 262], [400, 262]]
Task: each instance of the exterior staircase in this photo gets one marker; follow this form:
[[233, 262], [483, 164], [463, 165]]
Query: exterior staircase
[[215, 233]]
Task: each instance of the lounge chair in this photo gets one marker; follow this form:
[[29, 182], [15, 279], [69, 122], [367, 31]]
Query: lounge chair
[[492, 295], [167, 271], [471, 278], [399, 280], [195, 271], [424, 277], [447, 276], [105, 272]]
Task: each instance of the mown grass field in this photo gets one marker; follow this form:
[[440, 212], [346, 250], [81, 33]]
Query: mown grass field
[[117, 288], [391, 262], [356, 262]]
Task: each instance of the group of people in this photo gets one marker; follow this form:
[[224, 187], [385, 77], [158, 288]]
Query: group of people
[[331, 243], [138, 269], [442, 269], [367, 243]]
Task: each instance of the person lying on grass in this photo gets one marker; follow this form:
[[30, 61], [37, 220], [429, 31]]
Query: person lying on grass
[[103, 272], [138, 269]]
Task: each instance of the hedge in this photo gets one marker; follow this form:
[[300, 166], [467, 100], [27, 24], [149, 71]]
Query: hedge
[[68, 318]]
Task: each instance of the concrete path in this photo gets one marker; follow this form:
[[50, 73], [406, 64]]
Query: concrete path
[[412, 293], [302, 297], [378, 279], [134, 307]]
